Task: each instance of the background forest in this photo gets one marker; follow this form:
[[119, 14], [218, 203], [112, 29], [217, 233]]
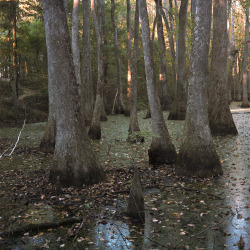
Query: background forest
[[24, 52]]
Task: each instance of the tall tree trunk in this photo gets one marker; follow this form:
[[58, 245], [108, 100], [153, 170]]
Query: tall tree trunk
[[245, 102], [15, 66], [75, 40], [179, 106], [148, 114], [162, 150], [129, 57], [165, 95], [74, 160], [95, 126], [133, 122], [233, 52], [120, 102], [103, 31], [238, 96], [105, 42], [197, 155], [129, 49], [86, 87], [220, 118], [171, 45]]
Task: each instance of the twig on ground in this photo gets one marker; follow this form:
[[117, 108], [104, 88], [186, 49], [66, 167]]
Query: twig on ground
[[18, 138], [5, 151]]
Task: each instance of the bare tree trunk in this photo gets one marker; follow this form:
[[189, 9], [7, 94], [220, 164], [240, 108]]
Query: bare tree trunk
[[238, 96], [162, 150], [120, 103], [75, 40], [133, 122], [86, 87], [197, 155], [103, 24], [129, 49], [220, 118], [245, 102], [15, 66], [233, 53], [165, 95], [95, 126], [74, 160], [179, 106], [171, 45]]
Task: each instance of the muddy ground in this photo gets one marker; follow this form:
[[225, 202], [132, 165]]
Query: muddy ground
[[181, 213]]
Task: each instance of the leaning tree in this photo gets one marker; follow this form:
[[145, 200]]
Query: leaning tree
[[197, 155], [74, 160]]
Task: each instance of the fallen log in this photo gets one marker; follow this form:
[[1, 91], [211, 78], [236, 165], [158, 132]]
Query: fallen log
[[20, 230]]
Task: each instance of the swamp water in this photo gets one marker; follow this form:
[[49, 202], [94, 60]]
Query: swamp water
[[180, 213]]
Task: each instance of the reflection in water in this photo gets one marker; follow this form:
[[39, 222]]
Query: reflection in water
[[113, 235], [236, 155]]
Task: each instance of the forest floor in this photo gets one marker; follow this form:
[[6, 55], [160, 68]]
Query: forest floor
[[181, 213]]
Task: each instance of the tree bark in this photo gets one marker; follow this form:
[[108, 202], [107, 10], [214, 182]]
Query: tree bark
[[245, 102], [74, 160], [129, 50], [233, 53], [197, 155], [14, 62], [162, 150], [120, 102], [220, 118], [95, 126], [75, 40], [86, 87], [179, 106], [133, 121], [171, 45], [165, 95]]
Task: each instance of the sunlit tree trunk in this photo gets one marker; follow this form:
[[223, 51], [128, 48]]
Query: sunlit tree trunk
[[220, 118], [74, 160], [245, 102], [165, 95], [75, 40], [133, 122], [14, 62], [129, 49], [95, 126], [178, 110], [197, 155], [120, 102], [86, 88], [162, 150]]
